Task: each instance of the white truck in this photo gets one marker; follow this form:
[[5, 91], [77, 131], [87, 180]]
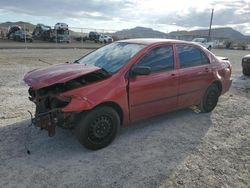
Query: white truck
[[203, 42], [105, 39]]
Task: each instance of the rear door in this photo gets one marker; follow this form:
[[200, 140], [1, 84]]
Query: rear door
[[195, 74], [155, 93]]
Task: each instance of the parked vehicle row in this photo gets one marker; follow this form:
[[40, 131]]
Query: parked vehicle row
[[123, 82], [60, 33]]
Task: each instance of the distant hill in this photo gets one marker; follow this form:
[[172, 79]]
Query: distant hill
[[4, 26], [226, 32], [142, 32], [139, 32]]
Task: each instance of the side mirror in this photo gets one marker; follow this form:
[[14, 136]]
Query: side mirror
[[140, 70]]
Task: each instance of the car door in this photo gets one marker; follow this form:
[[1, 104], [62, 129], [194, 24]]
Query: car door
[[155, 93], [195, 74]]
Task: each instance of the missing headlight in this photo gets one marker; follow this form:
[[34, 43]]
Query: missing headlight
[[56, 102]]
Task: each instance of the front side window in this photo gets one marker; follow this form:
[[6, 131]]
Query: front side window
[[190, 56], [159, 59]]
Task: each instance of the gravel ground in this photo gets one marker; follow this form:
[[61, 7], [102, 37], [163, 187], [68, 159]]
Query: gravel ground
[[179, 149], [10, 44]]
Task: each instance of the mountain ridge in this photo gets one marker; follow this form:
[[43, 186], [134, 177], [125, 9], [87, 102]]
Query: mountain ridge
[[144, 32]]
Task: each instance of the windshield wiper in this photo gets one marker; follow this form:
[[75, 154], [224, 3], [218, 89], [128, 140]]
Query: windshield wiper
[[76, 61]]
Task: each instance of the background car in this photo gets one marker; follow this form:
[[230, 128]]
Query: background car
[[11, 30], [105, 39], [246, 65], [204, 42], [59, 26], [123, 82], [94, 36], [22, 35]]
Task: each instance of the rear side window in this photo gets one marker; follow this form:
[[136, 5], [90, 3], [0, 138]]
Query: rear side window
[[190, 56], [159, 59]]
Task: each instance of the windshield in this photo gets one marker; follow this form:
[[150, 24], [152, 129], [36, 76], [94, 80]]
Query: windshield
[[112, 57]]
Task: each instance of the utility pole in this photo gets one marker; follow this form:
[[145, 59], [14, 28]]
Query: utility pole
[[25, 40], [211, 21]]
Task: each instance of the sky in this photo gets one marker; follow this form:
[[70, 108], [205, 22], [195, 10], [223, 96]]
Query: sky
[[162, 15]]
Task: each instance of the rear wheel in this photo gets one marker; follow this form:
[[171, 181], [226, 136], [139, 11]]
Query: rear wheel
[[98, 128], [210, 99]]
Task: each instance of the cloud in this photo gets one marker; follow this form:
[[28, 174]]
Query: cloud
[[226, 13], [65, 8], [152, 13]]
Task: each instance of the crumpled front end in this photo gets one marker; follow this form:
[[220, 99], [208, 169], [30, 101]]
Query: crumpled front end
[[48, 112], [47, 89]]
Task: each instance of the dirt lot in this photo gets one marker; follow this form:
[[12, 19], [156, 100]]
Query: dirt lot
[[10, 44], [179, 149]]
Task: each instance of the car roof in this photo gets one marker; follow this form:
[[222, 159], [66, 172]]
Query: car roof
[[150, 41]]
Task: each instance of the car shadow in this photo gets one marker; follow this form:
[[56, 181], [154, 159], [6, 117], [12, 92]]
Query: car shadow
[[142, 155]]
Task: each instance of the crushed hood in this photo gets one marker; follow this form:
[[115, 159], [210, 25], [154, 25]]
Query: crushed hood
[[61, 73]]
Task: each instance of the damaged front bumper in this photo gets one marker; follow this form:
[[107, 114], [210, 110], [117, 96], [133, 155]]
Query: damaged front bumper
[[49, 120], [49, 112]]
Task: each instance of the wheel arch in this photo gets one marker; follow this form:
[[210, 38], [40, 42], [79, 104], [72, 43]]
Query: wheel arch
[[218, 84], [115, 106]]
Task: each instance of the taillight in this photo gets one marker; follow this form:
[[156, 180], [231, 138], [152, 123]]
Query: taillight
[[229, 66]]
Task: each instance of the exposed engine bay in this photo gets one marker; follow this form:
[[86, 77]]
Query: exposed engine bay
[[49, 103]]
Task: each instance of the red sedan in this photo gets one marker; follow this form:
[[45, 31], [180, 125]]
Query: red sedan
[[124, 82]]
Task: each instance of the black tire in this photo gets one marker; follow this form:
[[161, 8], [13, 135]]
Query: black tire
[[210, 99], [246, 72], [98, 128], [209, 48]]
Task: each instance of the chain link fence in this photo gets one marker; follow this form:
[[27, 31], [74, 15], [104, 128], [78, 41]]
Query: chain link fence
[[30, 36], [62, 36]]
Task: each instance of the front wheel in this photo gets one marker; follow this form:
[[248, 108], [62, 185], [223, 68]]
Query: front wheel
[[98, 128], [210, 99]]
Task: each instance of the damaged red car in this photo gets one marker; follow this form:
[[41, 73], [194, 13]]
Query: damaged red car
[[124, 82]]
